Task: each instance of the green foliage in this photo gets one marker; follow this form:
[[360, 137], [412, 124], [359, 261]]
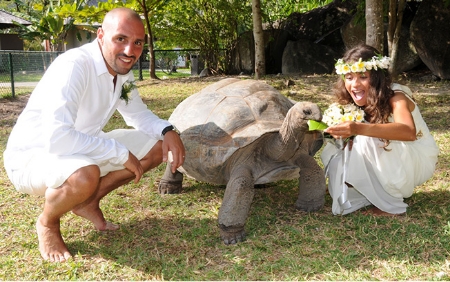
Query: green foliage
[[52, 20], [277, 10], [207, 25], [95, 14], [51, 23], [51, 27]]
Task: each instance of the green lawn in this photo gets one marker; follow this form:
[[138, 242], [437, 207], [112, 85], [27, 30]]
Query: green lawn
[[176, 237]]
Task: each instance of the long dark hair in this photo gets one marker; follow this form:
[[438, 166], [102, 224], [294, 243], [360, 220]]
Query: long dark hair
[[377, 109]]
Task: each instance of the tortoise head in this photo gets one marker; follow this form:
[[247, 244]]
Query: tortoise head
[[295, 124], [301, 112]]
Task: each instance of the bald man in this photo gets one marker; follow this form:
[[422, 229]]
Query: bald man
[[57, 148]]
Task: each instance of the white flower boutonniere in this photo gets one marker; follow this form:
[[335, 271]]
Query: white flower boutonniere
[[127, 87]]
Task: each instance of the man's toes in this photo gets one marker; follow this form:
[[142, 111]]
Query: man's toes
[[59, 257], [65, 257], [109, 226], [46, 257]]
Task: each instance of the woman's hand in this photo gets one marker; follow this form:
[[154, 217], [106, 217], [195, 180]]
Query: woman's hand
[[343, 130]]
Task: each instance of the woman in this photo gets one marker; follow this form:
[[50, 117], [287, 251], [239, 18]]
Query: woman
[[390, 153]]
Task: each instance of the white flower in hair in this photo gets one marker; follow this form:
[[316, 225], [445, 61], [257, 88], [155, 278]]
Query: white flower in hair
[[384, 62], [361, 66]]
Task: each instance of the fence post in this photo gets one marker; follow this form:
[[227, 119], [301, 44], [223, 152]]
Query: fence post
[[11, 73]]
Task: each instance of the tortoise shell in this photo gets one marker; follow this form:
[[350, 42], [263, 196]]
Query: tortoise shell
[[223, 118]]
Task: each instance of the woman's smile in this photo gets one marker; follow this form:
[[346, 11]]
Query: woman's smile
[[357, 85]]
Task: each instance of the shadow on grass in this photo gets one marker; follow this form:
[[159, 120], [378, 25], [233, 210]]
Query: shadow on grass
[[282, 243]]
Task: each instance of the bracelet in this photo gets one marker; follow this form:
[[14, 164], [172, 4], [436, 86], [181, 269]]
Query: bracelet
[[167, 129]]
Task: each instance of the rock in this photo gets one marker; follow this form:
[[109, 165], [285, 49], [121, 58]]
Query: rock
[[430, 35], [306, 57]]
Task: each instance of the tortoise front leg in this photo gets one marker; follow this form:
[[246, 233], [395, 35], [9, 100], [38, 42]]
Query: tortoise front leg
[[311, 184], [235, 206], [170, 183]]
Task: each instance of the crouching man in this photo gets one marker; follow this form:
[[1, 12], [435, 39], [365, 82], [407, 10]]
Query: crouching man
[[57, 148]]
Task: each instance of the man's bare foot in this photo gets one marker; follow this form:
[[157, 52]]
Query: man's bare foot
[[377, 212], [110, 226], [95, 215], [51, 244]]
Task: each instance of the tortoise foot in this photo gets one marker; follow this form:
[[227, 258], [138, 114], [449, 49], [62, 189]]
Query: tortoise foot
[[310, 206], [169, 187], [231, 234]]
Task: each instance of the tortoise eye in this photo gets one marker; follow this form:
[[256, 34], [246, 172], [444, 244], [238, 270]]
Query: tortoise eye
[[307, 111]]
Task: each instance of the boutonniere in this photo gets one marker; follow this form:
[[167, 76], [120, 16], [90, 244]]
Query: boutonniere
[[127, 87]]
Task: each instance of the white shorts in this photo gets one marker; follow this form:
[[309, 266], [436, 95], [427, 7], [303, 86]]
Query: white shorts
[[41, 170]]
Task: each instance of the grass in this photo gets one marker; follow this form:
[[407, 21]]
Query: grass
[[175, 237], [28, 76], [20, 77]]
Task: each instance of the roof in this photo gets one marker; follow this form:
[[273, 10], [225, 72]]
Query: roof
[[6, 20]]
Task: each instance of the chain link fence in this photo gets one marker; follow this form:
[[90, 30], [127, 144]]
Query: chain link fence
[[22, 69]]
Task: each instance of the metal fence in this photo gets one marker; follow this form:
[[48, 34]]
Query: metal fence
[[23, 69]]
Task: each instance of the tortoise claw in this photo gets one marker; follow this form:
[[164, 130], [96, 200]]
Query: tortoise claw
[[168, 187], [310, 206], [232, 235]]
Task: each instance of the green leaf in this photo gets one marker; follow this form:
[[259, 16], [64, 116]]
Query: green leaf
[[316, 125]]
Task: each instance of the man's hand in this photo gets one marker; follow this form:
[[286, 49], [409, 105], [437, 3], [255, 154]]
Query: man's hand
[[134, 165], [172, 142]]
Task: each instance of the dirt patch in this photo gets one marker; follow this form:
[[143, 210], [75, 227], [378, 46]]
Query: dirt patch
[[10, 108]]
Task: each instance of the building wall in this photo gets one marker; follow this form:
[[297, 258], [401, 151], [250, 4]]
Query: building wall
[[72, 41], [10, 42]]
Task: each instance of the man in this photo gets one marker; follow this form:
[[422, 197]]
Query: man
[[57, 148]]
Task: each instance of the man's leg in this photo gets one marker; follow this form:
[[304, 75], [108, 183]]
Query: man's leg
[[81, 193], [90, 209], [75, 190]]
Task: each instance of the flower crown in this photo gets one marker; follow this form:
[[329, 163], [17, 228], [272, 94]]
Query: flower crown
[[362, 66]]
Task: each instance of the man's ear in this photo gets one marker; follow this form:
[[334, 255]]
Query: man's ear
[[100, 34]]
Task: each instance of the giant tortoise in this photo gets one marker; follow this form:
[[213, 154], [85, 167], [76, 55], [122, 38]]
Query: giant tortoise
[[242, 133]]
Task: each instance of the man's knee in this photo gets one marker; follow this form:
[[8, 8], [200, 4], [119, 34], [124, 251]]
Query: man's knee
[[85, 179], [80, 185]]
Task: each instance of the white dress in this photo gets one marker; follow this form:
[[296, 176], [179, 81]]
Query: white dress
[[379, 177]]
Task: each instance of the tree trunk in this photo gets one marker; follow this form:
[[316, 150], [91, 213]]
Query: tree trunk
[[151, 51], [392, 22], [374, 24], [396, 37], [258, 34]]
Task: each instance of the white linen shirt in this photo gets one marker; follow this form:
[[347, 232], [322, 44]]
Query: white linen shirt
[[70, 106]]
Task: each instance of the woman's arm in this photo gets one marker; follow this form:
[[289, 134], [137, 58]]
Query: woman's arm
[[403, 129]]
